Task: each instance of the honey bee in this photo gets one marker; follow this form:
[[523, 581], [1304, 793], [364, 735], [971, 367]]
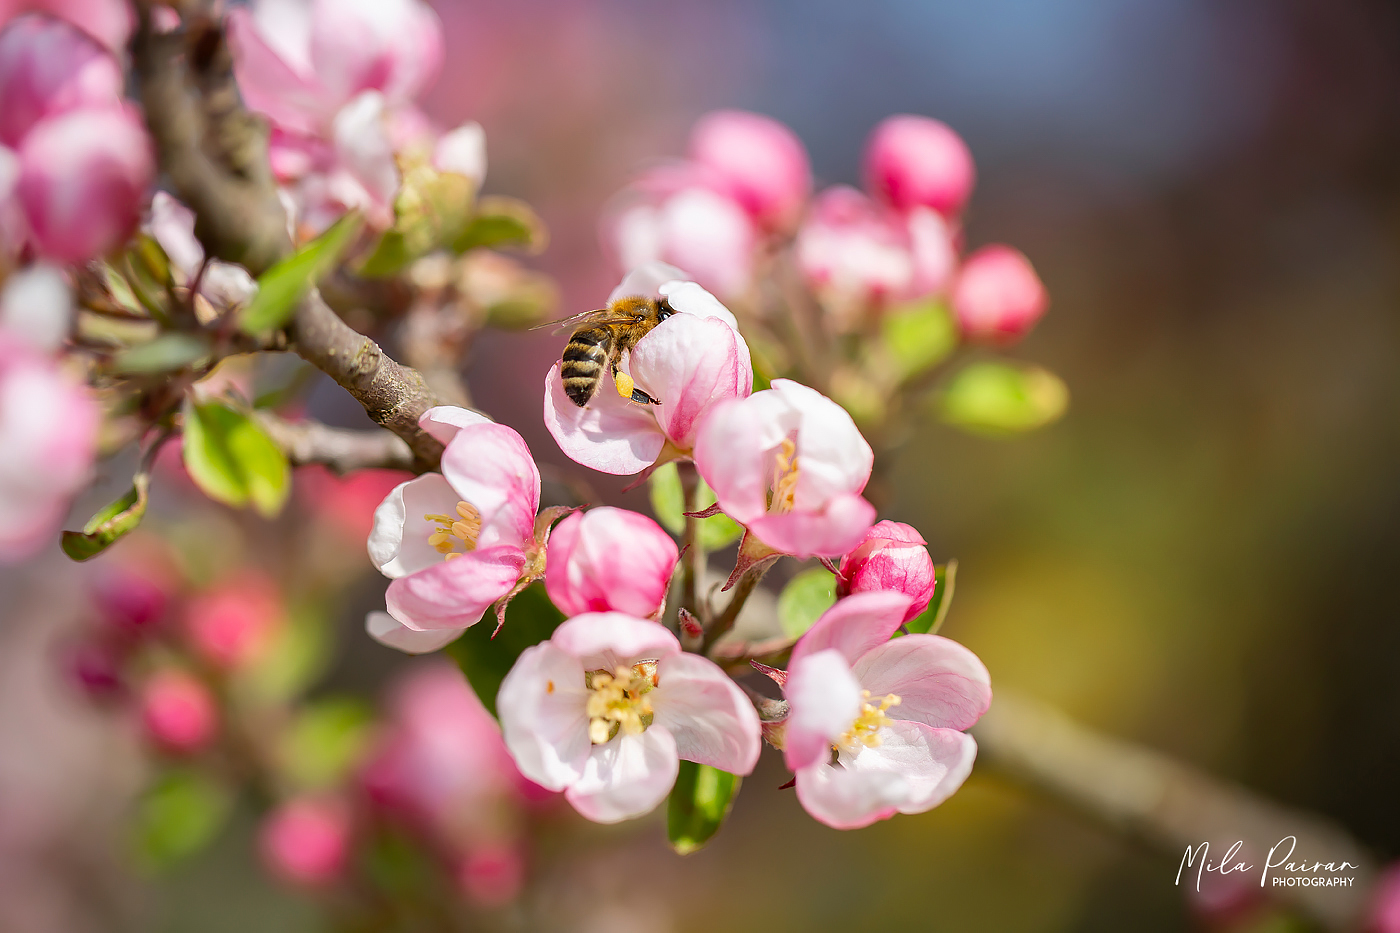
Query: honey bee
[[599, 340]]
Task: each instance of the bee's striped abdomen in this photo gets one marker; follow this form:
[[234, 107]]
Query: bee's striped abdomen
[[583, 362]]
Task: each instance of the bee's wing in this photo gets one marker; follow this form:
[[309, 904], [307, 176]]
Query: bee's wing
[[599, 316]]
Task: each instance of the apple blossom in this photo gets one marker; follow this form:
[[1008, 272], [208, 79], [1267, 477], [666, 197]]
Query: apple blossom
[[457, 541], [107, 21], [790, 465], [37, 306], [48, 67], [997, 296], [224, 284], [306, 841], [233, 623], [609, 558], [178, 712], [690, 362], [914, 162], [875, 724], [607, 706], [891, 556], [759, 162]]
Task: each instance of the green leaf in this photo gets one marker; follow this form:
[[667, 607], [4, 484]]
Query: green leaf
[[503, 223], [668, 503], [283, 286], [325, 742], [918, 336], [931, 619], [1003, 398], [699, 802], [804, 599], [167, 352], [109, 524], [530, 620], [178, 816], [232, 459], [432, 210]]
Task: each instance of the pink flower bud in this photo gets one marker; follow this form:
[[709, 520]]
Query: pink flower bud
[[997, 296], [892, 556], [83, 179], [760, 162], [704, 231], [306, 842], [131, 603], [492, 876], [178, 712], [917, 162], [95, 667], [231, 624], [609, 558], [47, 67], [107, 21]]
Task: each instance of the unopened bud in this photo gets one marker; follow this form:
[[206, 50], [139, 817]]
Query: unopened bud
[[306, 842], [997, 296], [914, 162], [178, 712]]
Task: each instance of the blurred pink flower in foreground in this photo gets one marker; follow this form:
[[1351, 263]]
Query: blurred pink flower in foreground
[[758, 162], [913, 162], [178, 712], [609, 558], [691, 362], [789, 464], [492, 875], [457, 541], [893, 711], [108, 21], [605, 709], [997, 296], [891, 556], [231, 624], [306, 841], [47, 68]]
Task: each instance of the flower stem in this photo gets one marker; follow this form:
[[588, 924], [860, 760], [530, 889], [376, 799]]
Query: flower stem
[[693, 562], [742, 590]]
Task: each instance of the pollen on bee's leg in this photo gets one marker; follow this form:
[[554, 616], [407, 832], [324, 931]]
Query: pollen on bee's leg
[[625, 385]]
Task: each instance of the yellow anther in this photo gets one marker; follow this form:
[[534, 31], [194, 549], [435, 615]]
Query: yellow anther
[[618, 701], [785, 475], [625, 385], [454, 530], [865, 731]]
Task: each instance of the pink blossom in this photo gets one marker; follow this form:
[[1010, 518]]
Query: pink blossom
[[178, 712], [457, 541], [891, 556], [605, 709], [132, 600], [224, 284], [107, 21], [917, 162], [47, 67], [789, 464], [690, 362], [48, 438], [997, 296], [232, 624], [306, 841], [890, 712], [82, 181], [759, 161], [610, 558]]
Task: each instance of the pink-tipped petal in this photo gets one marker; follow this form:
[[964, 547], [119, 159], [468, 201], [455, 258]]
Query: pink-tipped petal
[[269, 78], [444, 421], [398, 543], [825, 700], [692, 299], [761, 162], [939, 682], [490, 466], [835, 458], [455, 593], [542, 706], [691, 364], [854, 626], [392, 633], [846, 799], [604, 640], [707, 714], [734, 449], [627, 777], [610, 434], [891, 556], [829, 533]]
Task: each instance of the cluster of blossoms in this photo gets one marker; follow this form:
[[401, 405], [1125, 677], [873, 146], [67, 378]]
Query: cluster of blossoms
[[607, 706]]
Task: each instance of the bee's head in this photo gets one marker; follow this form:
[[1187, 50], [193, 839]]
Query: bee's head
[[664, 310]]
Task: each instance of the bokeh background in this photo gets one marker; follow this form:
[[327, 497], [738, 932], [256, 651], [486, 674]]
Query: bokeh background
[[1201, 556]]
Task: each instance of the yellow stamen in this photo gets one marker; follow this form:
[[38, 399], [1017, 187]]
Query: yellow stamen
[[453, 530], [865, 731], [625, 385], [785, 475], [619, 701]]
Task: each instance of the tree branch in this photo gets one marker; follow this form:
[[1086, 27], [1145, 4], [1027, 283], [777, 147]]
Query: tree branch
[[338, 448]]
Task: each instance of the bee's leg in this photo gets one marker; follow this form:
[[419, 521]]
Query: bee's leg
[[628, 389]]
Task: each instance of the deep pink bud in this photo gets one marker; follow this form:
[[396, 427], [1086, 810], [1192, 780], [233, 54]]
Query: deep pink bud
[[95, 666], [492, 876], [306, 841], [178, 712], [231, 624], [892, 556], [609, 558], [997, 296], [761, 163], [47, 67], [130, 602], [917, 162], [83, 180]]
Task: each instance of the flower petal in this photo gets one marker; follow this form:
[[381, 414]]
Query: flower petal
[[828, 533], [610, 434], [490, 466], [692, 299], [691, 363], [389, 631], [854, 625], [463, 151], [398, 543], [646, 280], [627, 777], [269, 78], [707, 714], [454, 593], [734, 450], [542, 705], [444, 421], [844, 798], [825, 699], [603, 640], [609, 558], [939, 682], [834, 457]]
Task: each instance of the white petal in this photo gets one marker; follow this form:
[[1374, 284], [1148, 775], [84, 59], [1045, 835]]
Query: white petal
[[939, 682], [844, 798], [172, 225], [627, 777], [825, 700], [398, 543], [692, 299], [707, 714], [444, 421], [463, 151], [542, 705], [833, 456], [931, 763], [37, 306], [387, 630], [646, 280], [603, 640]]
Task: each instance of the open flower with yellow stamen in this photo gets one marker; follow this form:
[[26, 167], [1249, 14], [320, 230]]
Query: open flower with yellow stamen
[[457, 541], [875, 724], [608, 706], [790, 465]]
